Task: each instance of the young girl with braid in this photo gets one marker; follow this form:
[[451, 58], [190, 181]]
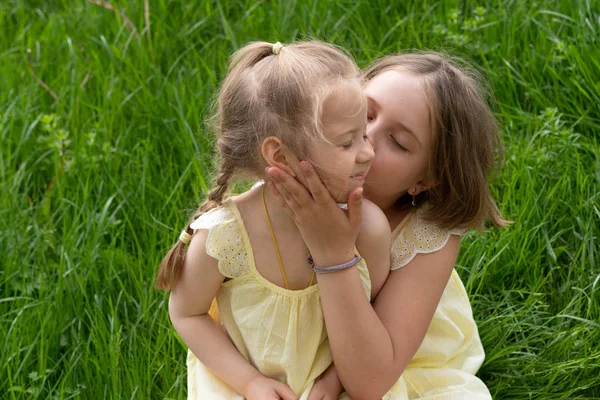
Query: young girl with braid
[[277, 105]]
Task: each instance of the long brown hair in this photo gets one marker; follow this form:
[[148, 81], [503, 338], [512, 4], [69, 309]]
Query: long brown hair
[[266, 94], [466, 146]]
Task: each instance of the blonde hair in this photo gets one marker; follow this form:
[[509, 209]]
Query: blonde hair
[[466, 145], [266, 95]]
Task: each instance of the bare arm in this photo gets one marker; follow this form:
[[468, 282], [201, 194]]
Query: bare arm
[[189, 304], [374, 241], [371, 346]]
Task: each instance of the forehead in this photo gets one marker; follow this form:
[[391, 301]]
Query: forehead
[[401, 97], [343, 109]]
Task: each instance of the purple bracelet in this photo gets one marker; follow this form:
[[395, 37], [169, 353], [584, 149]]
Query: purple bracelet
[[334, 268]]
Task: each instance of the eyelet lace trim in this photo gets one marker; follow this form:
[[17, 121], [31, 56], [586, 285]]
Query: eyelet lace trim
[[417, 237], [224, 242]]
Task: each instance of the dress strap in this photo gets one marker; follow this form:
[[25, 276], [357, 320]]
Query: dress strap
[[287, 286]]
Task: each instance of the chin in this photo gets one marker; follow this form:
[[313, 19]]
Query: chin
[[342, 197], [339, 191], [342, 200]]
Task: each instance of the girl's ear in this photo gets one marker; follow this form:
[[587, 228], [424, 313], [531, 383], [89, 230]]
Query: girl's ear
[[276, 155], [422, 186]]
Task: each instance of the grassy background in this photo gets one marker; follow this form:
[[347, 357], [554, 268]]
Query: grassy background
[[99, 170]]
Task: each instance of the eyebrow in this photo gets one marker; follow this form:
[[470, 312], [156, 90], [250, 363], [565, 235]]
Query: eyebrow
[[398, 122], [351, 131], [342, 135]]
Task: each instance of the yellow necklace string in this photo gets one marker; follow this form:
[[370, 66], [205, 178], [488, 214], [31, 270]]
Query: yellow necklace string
[[276, 246]]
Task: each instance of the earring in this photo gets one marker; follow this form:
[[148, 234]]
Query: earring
[[414, 201]]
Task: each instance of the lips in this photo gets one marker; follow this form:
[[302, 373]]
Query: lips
[[360, 176]]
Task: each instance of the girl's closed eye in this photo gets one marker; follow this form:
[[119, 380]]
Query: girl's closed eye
[[348, 144], [397, 143]]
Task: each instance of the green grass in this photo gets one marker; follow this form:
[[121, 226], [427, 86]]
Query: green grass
[[98, 173]]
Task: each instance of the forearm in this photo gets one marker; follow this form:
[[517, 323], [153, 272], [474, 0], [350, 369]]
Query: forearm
[[361, 345], [212, 347]]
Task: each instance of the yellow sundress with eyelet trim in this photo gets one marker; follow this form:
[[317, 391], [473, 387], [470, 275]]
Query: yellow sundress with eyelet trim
[[280, 332], [445, 364]]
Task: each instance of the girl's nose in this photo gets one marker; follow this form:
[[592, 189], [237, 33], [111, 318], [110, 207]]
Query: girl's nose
[[366, 153]]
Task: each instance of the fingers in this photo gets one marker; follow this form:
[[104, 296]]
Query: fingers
[[355, 207], [278, 196], [288, 198], [285, 393], [291, 185], [315, 395], [317, 189], [282, 202]]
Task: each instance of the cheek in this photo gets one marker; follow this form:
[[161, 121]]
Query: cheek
[[385, 160], [334, 175], [340, 165], [317, 156], [389, 168]]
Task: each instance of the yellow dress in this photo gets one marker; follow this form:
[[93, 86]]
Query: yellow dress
[[280, 332], [445, 364]]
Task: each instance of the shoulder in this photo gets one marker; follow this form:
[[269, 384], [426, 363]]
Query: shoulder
[[374, 222], [196, 255], [419, 236], [222, 238], [215, 217]]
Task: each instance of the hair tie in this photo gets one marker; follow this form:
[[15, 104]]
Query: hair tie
[[185, 237], [277, 48]]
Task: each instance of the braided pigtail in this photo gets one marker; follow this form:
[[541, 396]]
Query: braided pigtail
[[171, 266]]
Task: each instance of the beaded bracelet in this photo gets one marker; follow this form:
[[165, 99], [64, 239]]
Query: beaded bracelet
[[334, 268]]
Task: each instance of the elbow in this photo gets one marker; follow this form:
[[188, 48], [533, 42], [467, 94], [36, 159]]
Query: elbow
[[174, 317], [359, 395], [365, 394], [373, 390], [176, 323]]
